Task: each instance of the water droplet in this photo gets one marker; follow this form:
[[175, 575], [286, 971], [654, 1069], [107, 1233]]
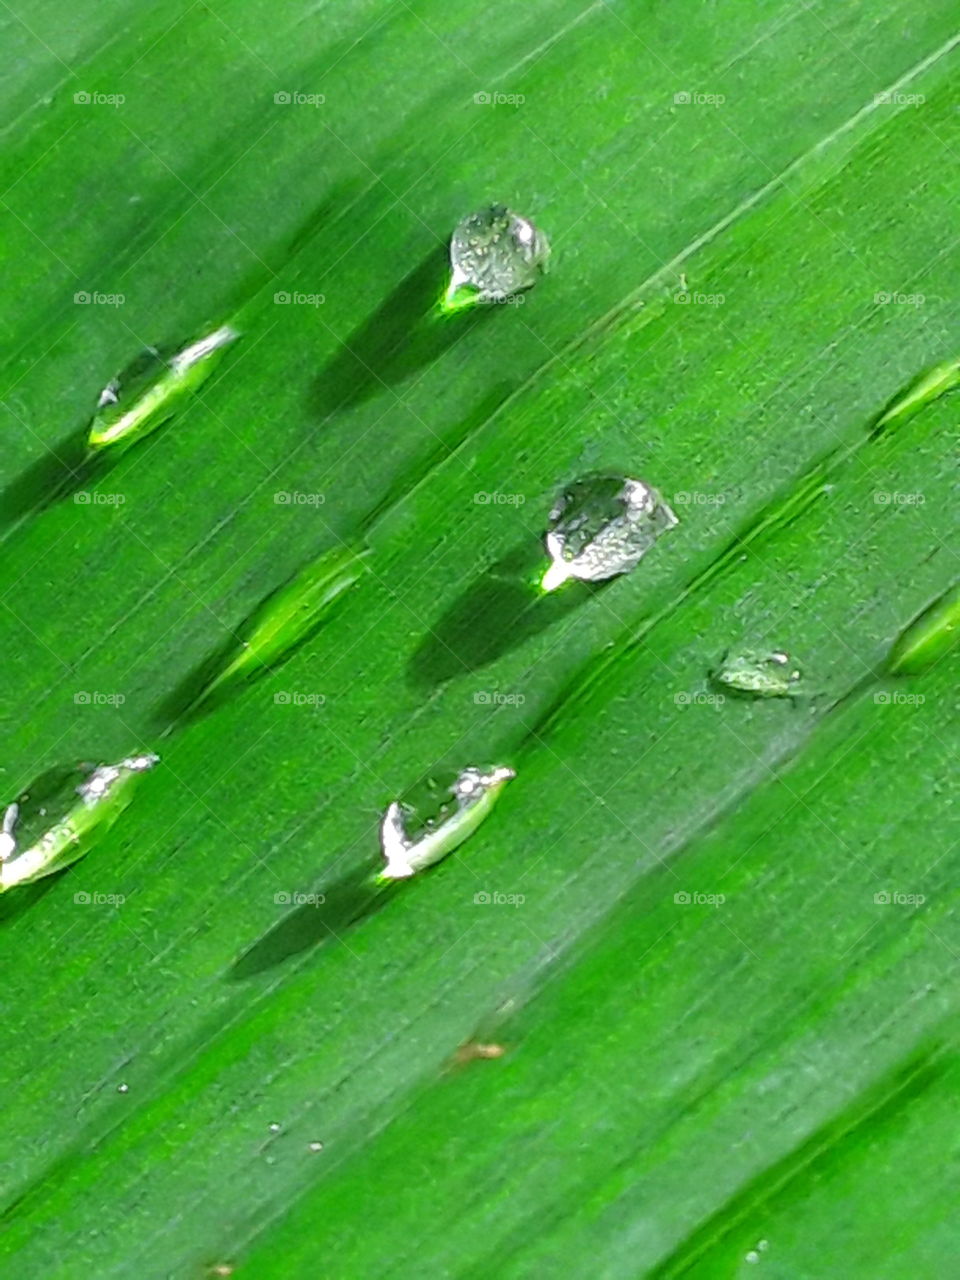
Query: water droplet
[[602, 526], [432, 819], [752, 1256], [150, 389], [123, 1088], [768, 674], [314, 1146], [274, 1126], [494, 254], [103, 796]]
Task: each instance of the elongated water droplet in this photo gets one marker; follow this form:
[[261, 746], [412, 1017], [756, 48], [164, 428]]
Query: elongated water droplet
[[434, 819], [767, 674], [139, 400], [102, 798], [602, 526], [494, 254]]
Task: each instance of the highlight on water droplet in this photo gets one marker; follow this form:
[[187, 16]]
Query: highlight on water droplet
[[419, 830], [288, 616], [494, 255], [758, 673], [103, 796], [928, 638], [602, 526], [139, 400]]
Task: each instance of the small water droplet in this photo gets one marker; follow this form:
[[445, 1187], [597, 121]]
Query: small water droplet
[[274, 1127], [758, 674], [752, 1256], [123, 1088], [494, 254], [602, 526], [314, 1146]]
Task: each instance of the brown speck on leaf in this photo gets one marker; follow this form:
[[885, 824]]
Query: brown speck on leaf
[[471, 1051]]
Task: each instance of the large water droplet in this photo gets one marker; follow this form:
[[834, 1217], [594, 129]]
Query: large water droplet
[[150, 389], [432, 819], [494, 254], [602, 526], [103, 796], [758, 674]]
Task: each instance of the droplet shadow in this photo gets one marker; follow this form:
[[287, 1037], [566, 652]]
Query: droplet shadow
[[499, 611], [406, 333], [60, 473], [346, 901]]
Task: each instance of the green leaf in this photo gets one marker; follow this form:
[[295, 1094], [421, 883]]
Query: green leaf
[[686, 995]]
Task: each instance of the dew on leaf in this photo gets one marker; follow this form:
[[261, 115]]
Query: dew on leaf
[[102, 797], [433, 820], [494, 254], [602, 526], [758, 674], [150, 390]]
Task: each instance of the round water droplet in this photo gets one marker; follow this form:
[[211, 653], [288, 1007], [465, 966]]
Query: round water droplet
[[314, 1146], [495, 253], [602, 526]]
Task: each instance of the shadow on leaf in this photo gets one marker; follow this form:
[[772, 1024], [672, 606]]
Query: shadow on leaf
[[346, 901], [406, 333], [498, 612]]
